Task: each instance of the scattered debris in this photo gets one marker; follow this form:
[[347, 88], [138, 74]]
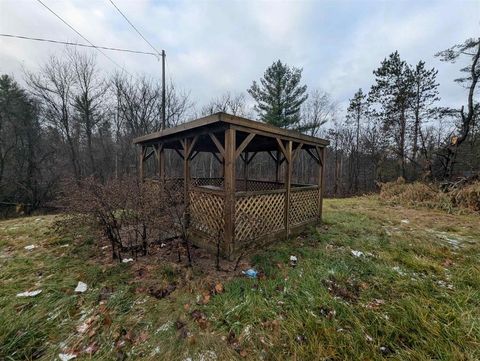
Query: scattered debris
[[207, 356], [162, 292], [293, 261], [165, 327], [105, 247], [66, 356], [358, 253], [375, 304], [64, 245], [369, 338], [384, 350], [301, 338], [447, 263], [29, 293], [127, 260], [30, 247], [405, 221], [250, 273], [399, 271], [218, 288], [329, 313], [81, 287], [444, 284], [162, 245], [348, 291]]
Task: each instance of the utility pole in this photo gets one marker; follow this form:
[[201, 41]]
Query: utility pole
[[163, 90]]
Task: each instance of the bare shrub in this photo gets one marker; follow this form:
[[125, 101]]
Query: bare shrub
[[128, 213]]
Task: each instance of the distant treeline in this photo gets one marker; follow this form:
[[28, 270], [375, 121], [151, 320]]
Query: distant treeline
[[71, 120]]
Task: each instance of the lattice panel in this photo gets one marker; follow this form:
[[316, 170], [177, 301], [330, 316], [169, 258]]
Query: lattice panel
[[303, 206], [217, 182], [206, 212], [258, 215], [257, 185]]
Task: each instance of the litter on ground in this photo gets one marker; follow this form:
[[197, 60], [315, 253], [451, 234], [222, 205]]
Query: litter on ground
[[250, 273], [405, 221], [29, 293], [293, 261], [81, 287], [30, 247], [66, 356], [127, 260], [357, 253]]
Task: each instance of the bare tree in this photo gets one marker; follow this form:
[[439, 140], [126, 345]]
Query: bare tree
[[234, 104], [469, 48], [89, 97], [317, 110], [53, 86]]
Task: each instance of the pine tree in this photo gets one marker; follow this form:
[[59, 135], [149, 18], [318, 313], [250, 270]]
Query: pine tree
[[279, 95], [392, 93], [425, 94]]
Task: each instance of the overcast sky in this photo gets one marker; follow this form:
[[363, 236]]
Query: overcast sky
[[218, 46]]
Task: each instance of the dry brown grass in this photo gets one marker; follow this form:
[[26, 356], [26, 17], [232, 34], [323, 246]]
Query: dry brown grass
[[431, 196], [469, 197]]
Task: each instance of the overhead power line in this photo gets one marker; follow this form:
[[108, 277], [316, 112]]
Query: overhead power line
[[83, 37], [134, 28], [162, 54], [78, 44]]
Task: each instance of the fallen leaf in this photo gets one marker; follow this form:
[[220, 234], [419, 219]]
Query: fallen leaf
[[218, 288]]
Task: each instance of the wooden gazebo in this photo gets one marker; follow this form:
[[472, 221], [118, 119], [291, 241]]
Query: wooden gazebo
[[234, 208]]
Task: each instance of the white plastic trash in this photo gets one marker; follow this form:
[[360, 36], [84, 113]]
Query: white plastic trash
[[66, 356], [357, 253], [30, 247], [127, 260], [81, 287], [29, 293]]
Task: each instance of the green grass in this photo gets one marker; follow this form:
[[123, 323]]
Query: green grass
[[415, 295]]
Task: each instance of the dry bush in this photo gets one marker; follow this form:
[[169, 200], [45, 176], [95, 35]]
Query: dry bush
[[431, 195], [415, 194], [468, 197]]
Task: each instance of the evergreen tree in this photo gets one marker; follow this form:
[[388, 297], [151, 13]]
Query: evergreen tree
[[392, 93], [279, 95], [425, 94]]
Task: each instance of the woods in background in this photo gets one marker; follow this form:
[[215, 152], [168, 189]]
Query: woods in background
[[70, 120]]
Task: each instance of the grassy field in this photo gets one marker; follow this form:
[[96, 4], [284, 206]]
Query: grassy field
[[373, 282]]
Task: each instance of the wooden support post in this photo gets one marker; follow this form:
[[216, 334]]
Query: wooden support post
[[229, 189], [277, 167], [186, 178], [141, 168], [321, 181], [160, 153], [288, 178], [245, 170]]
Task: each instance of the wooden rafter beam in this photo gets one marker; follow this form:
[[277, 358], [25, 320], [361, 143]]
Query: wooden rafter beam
[[297, 151], [145, 157], [217, 157], [320, 155], [244, 144], [282, 148], [179, 153], [217, 143], [194, 154], [315, 157]]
